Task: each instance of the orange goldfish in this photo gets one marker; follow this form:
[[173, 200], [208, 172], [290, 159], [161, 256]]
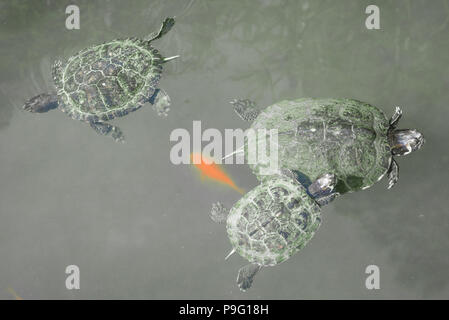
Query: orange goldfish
[[211, 170]]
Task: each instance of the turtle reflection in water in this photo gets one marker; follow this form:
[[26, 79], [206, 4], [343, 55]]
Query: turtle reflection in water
[[107, 81], [327, 147]]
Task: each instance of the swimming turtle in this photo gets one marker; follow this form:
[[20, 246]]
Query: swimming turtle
[[274, 220], [349, 138], [107, 81]]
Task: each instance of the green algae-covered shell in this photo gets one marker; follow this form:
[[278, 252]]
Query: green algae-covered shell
[[108, 80], [341, 136], [273, 221]]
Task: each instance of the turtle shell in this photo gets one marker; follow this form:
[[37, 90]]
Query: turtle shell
[[341, 136], [108, 80], [273, 221]]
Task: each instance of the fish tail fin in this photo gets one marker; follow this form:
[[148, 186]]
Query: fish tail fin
[[239, 190]]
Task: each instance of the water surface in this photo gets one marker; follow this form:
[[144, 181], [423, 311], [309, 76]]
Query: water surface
[[138, 226]]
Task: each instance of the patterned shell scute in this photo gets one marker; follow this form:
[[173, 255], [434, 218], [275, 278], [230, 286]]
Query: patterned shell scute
[[341, 136], [109, 80], [273, 221]]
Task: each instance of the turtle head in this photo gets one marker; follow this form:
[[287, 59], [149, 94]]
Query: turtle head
[[404, 141], [41, 103]]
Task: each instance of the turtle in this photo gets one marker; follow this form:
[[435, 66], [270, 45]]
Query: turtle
[[108, 80], [274, 220], [352, 139]]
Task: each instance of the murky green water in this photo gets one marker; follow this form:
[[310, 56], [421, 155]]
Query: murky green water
[[138, 226]]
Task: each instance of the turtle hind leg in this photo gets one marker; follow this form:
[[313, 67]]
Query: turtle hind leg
[[41, 103], [108, 129], [246, 276], [166, 27], [161, 102], [219, 213], [245, 109]]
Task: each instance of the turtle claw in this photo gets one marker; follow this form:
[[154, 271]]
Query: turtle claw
[[161, 102], [393, 174], [396, 117], [218, 213], [325, 200], [245, 109], [117, 135], [246, 276], [105, 129]]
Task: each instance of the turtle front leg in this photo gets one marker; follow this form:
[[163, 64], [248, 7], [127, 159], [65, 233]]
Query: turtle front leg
[[393, 174], [161, 102], [246, 276], [396, 117], [104, 128], [41, 103], [219, 213], [322, 190]]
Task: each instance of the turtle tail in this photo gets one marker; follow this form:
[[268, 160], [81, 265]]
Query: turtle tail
[[164, 60]]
